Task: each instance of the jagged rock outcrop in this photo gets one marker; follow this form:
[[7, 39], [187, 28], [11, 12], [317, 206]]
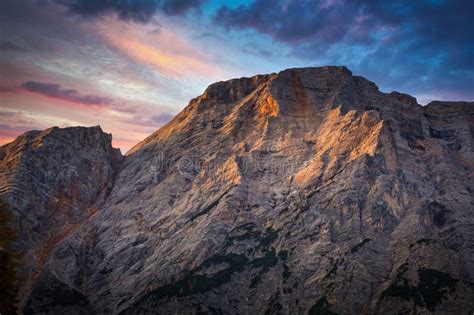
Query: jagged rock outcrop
[[306, 191], [53, 180]]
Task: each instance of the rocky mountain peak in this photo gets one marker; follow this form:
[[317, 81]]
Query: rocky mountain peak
[[303, 191], [284, 95], [53, 181]]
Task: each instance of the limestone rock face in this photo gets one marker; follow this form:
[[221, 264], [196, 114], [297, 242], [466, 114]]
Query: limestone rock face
[[306, 191], [53, 181]]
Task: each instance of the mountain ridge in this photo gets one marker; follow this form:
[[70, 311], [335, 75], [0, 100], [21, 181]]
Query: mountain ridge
[[279, 193]]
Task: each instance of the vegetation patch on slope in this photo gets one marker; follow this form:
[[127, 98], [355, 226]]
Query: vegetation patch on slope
[[433, 286], [321, 308], [356, 248]]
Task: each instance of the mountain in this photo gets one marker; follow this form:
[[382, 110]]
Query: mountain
[[303, 191], [53, 181]]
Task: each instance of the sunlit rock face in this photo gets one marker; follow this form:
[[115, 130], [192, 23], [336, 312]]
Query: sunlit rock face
[[306, 191]]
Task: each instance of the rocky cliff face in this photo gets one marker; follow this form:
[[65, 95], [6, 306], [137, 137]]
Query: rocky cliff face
[[54, 181], [307, 191]]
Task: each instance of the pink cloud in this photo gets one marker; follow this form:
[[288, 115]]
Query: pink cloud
[[166, 51]]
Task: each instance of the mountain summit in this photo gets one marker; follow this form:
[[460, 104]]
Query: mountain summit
[[303, 191]]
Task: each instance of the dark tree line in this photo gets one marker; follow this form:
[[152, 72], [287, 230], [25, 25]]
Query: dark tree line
[[9, 262]]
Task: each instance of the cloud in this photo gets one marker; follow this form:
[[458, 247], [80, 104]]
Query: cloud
[[150, 121], [161, 119], [71, 95], [422, 46], [362, 21], [173, 7], [169, 63], [292, 21], [168, 52], [139, 10], [8, 89], [6, 45], [13, 124], [65, 52]]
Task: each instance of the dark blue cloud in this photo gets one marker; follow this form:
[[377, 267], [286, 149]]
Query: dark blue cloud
[[424, 47], [71, 95], [136, 10], [291, 21], [6, 45]]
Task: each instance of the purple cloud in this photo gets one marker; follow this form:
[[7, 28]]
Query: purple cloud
[[139, 11], [7, 89], [6, 45], [71, 95], [161, 119], [153, 121]]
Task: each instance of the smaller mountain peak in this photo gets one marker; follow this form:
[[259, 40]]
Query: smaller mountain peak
[[61, 137], [404, 98]]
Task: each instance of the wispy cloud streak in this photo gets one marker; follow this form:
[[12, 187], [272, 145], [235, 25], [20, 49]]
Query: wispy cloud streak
[[139, 11], [71, 95]]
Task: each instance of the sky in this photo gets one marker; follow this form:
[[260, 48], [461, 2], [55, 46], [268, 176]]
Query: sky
[[130, 66]]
